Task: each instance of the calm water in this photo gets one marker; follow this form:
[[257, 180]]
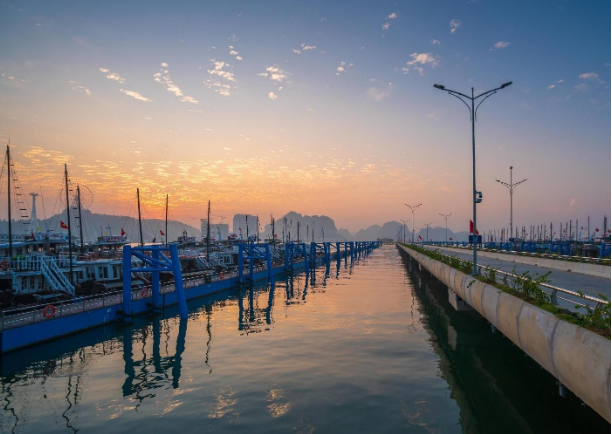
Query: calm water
[[370, 348]]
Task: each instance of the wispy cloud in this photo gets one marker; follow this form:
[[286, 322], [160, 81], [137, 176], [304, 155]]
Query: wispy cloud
[[591, 76], [499, 45], [552, 86], [304, 47], [272, 95], [112, 75], [418, 61], [387, 25], [435, 42], [163, 78], [274, 73], [135, 95], [75, 87], [234, 53], [454, 25], [343, 67], [378, 94]]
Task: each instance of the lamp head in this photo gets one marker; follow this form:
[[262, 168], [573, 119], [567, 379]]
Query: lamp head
[[439, 86], [506, 85]]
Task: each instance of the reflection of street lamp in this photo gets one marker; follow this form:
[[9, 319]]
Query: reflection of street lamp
[[446, 216], [427, 236], [412, 208], [477, 196], [404, 221], [511, 188]]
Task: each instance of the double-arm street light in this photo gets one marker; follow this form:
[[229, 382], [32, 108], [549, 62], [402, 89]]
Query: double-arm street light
[[446, 216], [477, 195], [427, 225], [412, 208], [511, 187]]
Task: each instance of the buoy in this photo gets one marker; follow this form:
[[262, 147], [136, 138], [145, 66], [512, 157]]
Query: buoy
[[49, 311]]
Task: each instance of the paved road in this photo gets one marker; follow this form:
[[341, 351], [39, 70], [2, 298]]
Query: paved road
[[589, 285]]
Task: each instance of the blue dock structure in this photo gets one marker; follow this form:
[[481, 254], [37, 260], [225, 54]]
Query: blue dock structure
[[252, 252], [29, 326]]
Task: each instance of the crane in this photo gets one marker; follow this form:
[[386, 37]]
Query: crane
[[221, 217]]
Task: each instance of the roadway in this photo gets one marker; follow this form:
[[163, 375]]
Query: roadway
[[589, 285]]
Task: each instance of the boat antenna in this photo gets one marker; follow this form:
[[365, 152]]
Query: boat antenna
[[208, 234], [139, 217], [68, 217], [80, 216], [166, 220], [10, 225]]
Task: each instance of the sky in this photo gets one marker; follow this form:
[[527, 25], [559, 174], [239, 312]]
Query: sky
[[316, 107]]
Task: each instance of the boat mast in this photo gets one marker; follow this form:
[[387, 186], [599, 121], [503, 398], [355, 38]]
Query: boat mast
[[273, 237], [166, 232], [208, 234], [80, 216], [139, 218], [10, 228], [68, 217]]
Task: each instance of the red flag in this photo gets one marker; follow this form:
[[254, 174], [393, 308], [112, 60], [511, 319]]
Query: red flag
[[596, 229], [472, 228], [63, 225], [122, 232], [275, 236], [161, 232], [451, 238], [420, 237]]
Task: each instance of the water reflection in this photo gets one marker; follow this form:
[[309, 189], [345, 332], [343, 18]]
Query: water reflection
[[376, 349]]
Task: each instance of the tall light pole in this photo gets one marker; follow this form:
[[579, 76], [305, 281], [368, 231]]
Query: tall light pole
[[412, 208], [446, 216], [511, 187], [477, 195], [404, 221], [427, 225]]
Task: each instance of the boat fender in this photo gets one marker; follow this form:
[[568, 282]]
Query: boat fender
[[4, 265], [49, 311], [221, 276]]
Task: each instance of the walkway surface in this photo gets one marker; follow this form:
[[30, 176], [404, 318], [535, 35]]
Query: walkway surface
[[589, 285]]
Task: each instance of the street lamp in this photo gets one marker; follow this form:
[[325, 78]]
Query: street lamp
[[477, 195], [404, 227], [511, 187], [446, 216], [427, 236], [412, 208]]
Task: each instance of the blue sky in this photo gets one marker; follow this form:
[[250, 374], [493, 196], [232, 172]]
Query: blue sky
[[320, 107]]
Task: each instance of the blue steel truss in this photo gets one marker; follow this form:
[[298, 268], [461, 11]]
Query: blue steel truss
[[319, 248], [252, 252], [290, 250], [605, 250], [154, 262]]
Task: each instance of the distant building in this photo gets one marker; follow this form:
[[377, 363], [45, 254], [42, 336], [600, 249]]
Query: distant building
[[218, 231], [240, 222]]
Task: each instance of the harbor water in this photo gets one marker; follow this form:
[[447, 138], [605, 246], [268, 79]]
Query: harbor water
[[372, 346]]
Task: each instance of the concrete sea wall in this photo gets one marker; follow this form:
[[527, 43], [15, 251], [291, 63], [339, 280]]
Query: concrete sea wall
[[578, 358]]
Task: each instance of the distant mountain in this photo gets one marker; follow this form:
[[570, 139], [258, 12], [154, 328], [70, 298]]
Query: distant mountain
[[344, 233], [95, 225], [324, 228]]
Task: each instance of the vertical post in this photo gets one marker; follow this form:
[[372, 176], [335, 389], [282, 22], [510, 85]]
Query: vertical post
[[241, 262], [69, 225], [251, 256], [475, 271], [305, 257], [156, 298], [178, 280], [511, 194], [10, 224], [139, 217], [269, 262], [127, 280]]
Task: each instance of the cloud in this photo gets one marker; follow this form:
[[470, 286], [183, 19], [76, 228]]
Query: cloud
[[305, 47], [499, 45], [592, 76], [274, 73], [135, 95], [343, 67], [112, 75], [392, 16], [234, 53], [75, 87], [378, 94], [272, 95], [435, 42], [163, 78], [419, 59], [386, 26], [552, 86], [454, 25]]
